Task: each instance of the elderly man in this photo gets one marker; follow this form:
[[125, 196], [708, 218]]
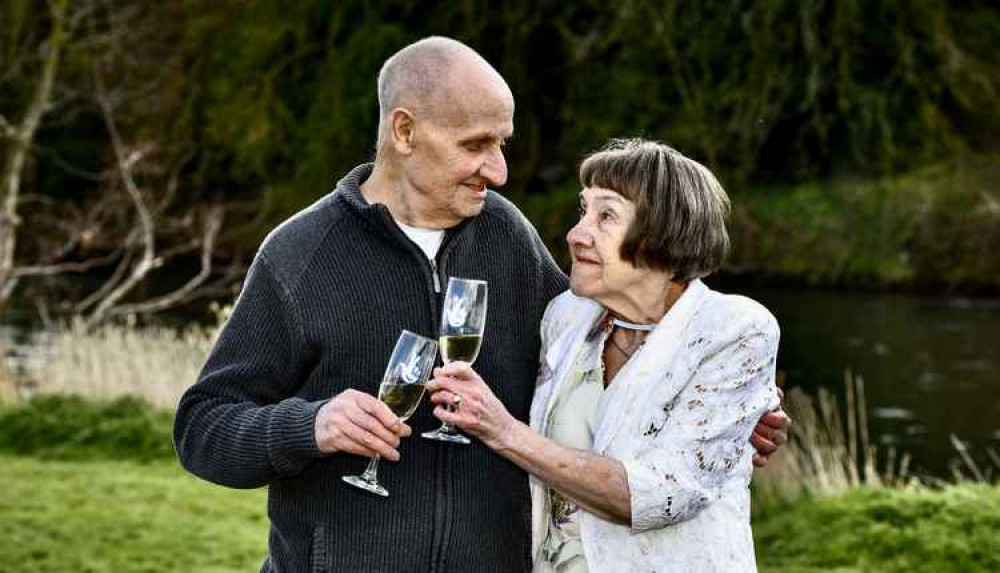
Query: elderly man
[[286, 397]]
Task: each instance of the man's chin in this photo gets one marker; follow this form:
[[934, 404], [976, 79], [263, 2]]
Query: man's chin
[[474, 208]]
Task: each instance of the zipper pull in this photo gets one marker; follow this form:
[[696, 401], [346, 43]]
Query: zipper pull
[[434, 273]]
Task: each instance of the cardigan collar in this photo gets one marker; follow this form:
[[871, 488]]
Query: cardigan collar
[[377, 214]]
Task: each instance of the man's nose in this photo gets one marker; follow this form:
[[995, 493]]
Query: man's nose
[[494, 169]]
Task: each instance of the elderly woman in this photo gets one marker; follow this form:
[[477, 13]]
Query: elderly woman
[[650, 382]]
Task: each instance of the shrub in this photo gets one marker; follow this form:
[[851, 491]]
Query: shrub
[[71, 427]]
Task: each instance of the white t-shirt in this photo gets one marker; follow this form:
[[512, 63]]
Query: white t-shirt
[[429, 240]]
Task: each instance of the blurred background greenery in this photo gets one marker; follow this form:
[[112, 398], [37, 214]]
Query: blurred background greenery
[[857, 138], [147, 147]]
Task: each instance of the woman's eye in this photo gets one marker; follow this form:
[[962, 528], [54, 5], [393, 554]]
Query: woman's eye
[[607, 216], [581, 210]]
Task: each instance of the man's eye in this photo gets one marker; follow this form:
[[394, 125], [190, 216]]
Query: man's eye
[[474, 146]]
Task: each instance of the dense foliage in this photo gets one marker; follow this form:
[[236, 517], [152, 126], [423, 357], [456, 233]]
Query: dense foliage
[[272, 101]]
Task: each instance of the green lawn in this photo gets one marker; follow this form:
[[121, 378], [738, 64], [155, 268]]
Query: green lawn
[[129, 516], [124, 517]]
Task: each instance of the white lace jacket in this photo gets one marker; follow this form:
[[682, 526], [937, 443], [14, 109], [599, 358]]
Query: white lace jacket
[[679, 417]]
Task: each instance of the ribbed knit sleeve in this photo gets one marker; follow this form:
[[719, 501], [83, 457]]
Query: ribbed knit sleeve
[[238, 426], [554, 280]]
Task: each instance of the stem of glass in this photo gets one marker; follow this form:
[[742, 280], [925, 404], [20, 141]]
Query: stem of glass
[[371, 472]]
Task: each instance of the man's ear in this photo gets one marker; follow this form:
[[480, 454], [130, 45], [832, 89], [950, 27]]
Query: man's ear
[[403, 125]]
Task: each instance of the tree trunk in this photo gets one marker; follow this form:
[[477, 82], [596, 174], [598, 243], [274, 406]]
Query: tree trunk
[[21, 137]]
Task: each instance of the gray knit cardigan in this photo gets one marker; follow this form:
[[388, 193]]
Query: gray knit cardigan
[[323, 303]]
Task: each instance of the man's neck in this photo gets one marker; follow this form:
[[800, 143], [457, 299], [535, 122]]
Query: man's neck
[[403, 202]]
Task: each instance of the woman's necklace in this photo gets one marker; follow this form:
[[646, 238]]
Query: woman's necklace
[[636, 343], [632, 326]]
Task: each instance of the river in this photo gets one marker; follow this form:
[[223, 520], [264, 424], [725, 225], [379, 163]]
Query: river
[[930, 365]]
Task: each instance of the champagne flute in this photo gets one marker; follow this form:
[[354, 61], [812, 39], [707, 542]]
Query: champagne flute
[[401, 389], [463, 319]]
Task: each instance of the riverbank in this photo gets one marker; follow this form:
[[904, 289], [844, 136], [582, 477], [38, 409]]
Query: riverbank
[[931, 230]]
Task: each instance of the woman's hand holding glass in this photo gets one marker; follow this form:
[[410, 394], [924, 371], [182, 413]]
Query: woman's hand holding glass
[[463, 320], [482, 414]]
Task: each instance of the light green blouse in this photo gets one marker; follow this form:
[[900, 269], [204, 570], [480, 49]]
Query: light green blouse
[[572, 422]]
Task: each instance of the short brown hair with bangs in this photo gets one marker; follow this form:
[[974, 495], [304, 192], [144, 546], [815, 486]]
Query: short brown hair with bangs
[[681, 208]]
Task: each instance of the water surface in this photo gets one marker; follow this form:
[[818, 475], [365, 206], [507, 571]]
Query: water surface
[[930, 366]]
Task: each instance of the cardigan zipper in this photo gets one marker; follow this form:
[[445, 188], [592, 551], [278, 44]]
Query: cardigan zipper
[[437, 279]]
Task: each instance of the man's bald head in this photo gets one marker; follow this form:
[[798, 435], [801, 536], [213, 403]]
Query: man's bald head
[[427, 76]]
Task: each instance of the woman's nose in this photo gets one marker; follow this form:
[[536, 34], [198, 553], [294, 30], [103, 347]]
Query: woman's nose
[[579, 235]]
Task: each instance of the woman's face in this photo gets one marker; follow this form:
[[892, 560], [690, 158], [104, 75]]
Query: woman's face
[[595, 243]]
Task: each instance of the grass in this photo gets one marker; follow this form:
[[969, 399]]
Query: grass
[[93, 487], [127, 516], [123, 517], [955, 529]]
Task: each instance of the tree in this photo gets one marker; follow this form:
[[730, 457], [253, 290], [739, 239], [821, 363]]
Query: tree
[[129, 219]]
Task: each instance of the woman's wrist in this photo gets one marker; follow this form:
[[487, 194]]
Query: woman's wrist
[[506, 436]]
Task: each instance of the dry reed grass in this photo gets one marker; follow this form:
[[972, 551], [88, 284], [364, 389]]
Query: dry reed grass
[[154, 363], [826, 454], [8, 382]]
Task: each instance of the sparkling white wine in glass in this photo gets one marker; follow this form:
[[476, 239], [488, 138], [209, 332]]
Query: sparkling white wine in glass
[[401, 389], [463, 319], [402, 399], [460, 347]]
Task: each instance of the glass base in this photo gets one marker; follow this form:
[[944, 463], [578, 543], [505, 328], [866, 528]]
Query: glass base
[[361, 482], [446, 435]]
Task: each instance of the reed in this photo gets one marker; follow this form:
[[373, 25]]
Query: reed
[[153, 363], [8, 382], [828, 454]]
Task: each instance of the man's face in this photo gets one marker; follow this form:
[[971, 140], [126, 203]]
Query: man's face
[[457, 153]]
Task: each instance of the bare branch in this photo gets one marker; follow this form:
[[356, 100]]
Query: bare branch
[[173, 183], [7, 288], [6, 129], [62, 268], [180, 249], [109, 285], [125, 160], [213, 223]]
